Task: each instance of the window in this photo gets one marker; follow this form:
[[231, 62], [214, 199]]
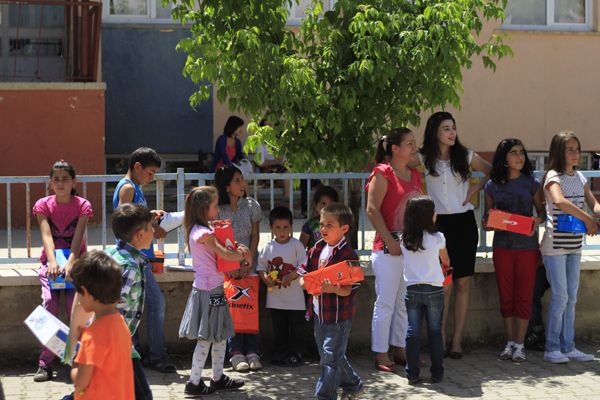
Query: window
[[297, 10], [574, 15], [137, 11]]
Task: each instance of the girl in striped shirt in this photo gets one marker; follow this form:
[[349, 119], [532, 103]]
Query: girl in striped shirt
[[565, 190]]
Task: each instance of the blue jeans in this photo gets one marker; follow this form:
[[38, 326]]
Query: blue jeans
[[563, 274], [424, 301], [243, 343], [336, 371], [155, 304]]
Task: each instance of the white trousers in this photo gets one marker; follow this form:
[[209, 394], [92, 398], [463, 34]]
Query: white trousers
[[390, 321]]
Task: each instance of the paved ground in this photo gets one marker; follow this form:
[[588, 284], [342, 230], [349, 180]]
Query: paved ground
[[478, 375]]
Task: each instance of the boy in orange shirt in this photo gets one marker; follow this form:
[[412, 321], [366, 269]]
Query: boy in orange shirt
[[102, 368]]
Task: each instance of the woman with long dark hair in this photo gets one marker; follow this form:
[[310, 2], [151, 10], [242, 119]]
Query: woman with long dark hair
[[448, 166], [389, 187], [228, 148]]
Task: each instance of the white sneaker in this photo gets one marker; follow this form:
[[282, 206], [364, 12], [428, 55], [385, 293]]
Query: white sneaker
[[239, 363], [507, 353], [518, 355], [576, 355], [556, 357], [254, 361]]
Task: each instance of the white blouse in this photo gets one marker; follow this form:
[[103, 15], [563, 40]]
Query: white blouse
[[447, 190]]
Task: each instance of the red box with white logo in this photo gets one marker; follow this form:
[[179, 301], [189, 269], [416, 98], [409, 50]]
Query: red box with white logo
[[344, 273], [505, 221], [224, 235]]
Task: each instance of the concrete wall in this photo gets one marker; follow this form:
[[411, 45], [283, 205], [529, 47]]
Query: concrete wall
[[484, 322], [45, 122]]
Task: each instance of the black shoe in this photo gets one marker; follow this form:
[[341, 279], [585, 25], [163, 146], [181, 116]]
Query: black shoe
[[198, 390], [43, 374], [294, 360], [436, 379], [414, 381], [226, 383]]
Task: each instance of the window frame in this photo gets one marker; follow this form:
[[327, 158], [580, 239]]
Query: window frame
[[149, 18], [550, 25]]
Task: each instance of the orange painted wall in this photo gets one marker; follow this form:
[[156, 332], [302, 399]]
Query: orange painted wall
[[42, 123]]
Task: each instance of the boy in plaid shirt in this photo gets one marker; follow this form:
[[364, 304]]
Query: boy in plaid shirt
[[334, 309], [132, 226]]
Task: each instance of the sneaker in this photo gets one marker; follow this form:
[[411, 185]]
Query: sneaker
[[43, 374], [239, 363], [226, 383], [507, 353], [519, 355], [556, 357], [414, 381], [576, 355], [254, 362], [198, 390]]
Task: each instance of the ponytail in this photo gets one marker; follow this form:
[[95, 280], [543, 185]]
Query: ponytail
[[385, 143]]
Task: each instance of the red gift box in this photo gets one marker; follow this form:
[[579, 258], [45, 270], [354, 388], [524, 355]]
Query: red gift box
[[505, 221], [344, 273], [224, 235]]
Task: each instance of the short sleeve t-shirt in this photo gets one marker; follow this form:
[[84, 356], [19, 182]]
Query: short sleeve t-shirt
[[283, 258], [516, 197], [62, 218], [248, 212], [423, 266], [204, 260], [106, 345], [312, 227], [573, 188], [394, 202]]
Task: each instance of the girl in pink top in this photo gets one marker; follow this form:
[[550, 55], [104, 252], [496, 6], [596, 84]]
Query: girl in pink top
[[389, 188], [206, 317], [63, 218]]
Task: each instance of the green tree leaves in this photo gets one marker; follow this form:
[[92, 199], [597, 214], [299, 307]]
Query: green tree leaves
[[341, 78]]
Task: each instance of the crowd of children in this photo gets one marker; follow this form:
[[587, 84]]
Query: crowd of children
[[116, 286]]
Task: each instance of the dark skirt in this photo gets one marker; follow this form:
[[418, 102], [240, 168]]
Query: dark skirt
[[462, 236]]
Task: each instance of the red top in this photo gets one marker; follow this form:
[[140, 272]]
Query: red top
[[394, 202], [230, 153]]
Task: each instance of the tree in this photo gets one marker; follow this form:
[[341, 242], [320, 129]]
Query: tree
[[343, 77]]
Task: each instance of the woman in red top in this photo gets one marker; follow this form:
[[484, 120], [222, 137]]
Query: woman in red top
[[228, 148], [389, 187]]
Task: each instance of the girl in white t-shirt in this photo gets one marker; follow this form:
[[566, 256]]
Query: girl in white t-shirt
[[423, 247], [565, 190]]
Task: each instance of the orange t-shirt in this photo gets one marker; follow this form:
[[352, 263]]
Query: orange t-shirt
[[106, 345]]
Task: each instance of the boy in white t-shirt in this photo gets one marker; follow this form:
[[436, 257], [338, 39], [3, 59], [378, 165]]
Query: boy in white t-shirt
[[281, 256]]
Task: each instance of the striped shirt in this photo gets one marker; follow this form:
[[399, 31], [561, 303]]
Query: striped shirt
[[556, 243]]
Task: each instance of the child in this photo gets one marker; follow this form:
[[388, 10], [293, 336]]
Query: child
[[102, 367], [334, 309], [206, 317], [276, 263], [132, 226], [423, 247], [144, 163], [245, 214], [63, 218], [514, 189], [565, 190], [311, 233]]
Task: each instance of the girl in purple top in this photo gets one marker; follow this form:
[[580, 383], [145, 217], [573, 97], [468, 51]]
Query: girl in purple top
[[206, 317], [63, 218], [514, 189]]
